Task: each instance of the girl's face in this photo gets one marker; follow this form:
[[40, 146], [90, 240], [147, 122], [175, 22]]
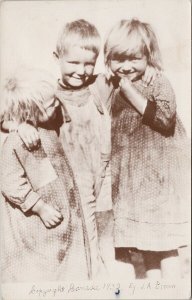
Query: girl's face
[[132, 66], [77, 66], [49, 109]]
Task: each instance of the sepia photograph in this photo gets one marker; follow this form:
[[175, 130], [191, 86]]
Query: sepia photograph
[[95, 102]]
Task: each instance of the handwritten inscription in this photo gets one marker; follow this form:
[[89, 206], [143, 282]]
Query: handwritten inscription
[[73, 288], [131, 288], [136, 289]]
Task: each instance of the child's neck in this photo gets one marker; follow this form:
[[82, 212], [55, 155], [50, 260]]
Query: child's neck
[[71, 88]]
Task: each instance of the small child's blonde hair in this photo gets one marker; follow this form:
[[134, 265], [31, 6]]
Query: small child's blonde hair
[[130, 36], [78, 33], [23, 94]]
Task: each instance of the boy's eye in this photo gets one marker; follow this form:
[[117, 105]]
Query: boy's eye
[[73, 62], [135, 58]]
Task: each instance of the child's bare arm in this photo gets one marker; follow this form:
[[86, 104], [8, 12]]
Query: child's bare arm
[[29, 135], [50, 216], [8, 126], [27, 132], [130, 92], [159, 111]]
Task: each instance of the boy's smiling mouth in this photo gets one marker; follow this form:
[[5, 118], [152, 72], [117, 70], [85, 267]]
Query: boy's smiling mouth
[[78, 77]]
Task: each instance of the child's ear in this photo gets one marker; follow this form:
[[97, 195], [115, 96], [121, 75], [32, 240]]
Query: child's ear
[[55, 55]]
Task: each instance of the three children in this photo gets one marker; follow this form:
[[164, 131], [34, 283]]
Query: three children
[[146, 140]]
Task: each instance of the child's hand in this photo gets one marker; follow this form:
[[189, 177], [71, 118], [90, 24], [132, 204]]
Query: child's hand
[[132, 95], [49, 215], [126, 87], [29, 135], [150, 75]]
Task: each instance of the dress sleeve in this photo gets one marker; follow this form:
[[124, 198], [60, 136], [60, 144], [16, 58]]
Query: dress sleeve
[[14, 183], [160, 112], [105, 90]]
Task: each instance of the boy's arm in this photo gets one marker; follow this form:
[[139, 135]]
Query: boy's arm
[[14, 183], [8, 126], [27, 132]]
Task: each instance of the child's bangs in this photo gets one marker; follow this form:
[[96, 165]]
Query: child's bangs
[[130, 38], [91, 43], [130, 45]]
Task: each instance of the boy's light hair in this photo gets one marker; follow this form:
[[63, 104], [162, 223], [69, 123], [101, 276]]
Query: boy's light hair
[[78, 33], [129, 36], [23, 94]]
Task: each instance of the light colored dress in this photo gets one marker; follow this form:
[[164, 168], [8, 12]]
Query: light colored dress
[[29, 250], [85, 135], [150, 171]]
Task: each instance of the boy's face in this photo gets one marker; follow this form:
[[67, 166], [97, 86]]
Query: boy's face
[[77, 66], [132, 66]]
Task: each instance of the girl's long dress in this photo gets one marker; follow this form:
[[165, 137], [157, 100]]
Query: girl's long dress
[[29, 250], [150, 172]]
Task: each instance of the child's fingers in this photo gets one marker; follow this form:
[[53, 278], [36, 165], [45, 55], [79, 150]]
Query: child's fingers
[[52, 223], [27, 141], [33, 132], [56, 207], [154, 74], [35, 138], [57, 211], [30, 140], [47, 224], [57, 220], [148, 76], [58, 215], [124, 84]]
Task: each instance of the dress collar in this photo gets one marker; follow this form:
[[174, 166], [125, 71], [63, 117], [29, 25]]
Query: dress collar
[[77, 96]]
